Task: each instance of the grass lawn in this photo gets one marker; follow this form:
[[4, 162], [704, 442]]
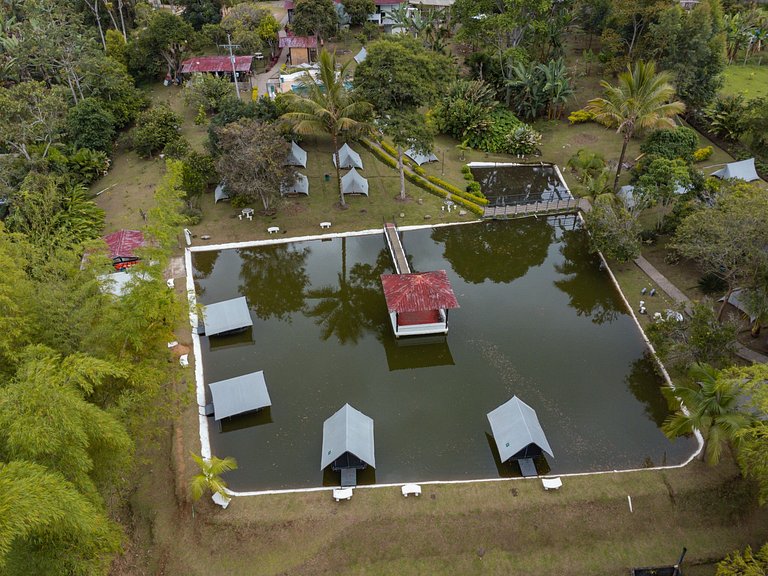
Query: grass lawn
[[751, 80]]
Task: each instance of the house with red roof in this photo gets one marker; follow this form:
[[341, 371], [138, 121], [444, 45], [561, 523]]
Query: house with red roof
[[219, 66], [122, 247], [301, 49]]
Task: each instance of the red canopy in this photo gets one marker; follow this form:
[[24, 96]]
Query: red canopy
[[418, 292], [216, 64], [124, 242]]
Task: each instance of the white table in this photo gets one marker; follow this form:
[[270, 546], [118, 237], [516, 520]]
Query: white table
[[247, 212]]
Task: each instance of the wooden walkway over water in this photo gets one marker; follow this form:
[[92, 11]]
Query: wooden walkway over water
[[396, 249], [546, 208]]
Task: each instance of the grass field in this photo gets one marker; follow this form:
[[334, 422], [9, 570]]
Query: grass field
[[751, 80]]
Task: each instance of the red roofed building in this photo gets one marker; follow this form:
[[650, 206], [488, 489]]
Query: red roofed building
[[418, 303], [122, 246], [301, 49], [219, 65]]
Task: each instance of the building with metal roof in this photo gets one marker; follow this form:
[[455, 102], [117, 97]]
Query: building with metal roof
[[348, 158], [518, 434], [348, 443], [299, 186], [239, 395], [227, 317], [353, 183], [216, 65], [744, 170], [418, 303], [301, 49], [297, 156], [124, 242]]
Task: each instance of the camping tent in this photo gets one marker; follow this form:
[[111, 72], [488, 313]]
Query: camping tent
[[744, 170], [362, 55], [736, 299], [420, 158], [348, 158], [353, 183], [220, 193], [297, 156], [300, 186]]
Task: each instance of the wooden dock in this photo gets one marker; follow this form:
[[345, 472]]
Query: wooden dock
[[547, 208], [396, 249]]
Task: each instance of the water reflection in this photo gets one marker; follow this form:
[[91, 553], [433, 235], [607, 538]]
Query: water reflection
[[588, 291], [495, 251], [416, 352], [343, 310], [507, 185], [274, 279], [640, 380]]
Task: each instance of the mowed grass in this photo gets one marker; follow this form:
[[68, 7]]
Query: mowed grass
[[751, 81]]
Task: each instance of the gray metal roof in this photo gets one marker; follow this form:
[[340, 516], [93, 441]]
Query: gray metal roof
[[239, 394], [353, 183], [300, 186], [297, 156], [348, 158], [420, 158], [227, 315], [220, 193], [348, 430], [515, 425], [744, 170]]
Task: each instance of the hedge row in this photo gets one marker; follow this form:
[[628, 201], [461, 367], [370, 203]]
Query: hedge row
[[421, 183]]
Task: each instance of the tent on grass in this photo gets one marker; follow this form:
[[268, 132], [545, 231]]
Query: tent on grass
[[220, 193], [300, 186], [420, 158], [362, 55], [353, 183], [297, 156], [348, 158], [744, 170]]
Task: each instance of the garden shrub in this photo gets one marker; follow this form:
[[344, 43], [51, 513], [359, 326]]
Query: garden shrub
[[702, 154], [473, 187], [476, 197], [680, 142], [493, 135], [580, 116], [711, 284], [523, 140], [154, 129]]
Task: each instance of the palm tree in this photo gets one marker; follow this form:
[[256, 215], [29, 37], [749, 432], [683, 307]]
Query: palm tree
[[709, 403], [209, 478], [329, 108], [640, 100]]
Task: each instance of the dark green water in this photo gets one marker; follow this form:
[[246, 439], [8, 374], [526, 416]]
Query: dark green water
[[538, 319], [523, 184]]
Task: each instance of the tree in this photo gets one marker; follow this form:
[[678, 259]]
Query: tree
[[359, 10], [209, 478], [678, 142], [31, 114], [614, 231], [154, 129], [641, 100], [398, 77], [329, 108], [314, 18], [744, 564], [660, 183], [252, 161], [712, 407], [167, 36], [208, 91], [726, 240], [251, 26], [201, 12], [91, 125]]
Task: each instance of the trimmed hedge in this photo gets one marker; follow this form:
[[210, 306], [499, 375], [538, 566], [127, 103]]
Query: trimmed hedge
[[477, 199], [423, 184]]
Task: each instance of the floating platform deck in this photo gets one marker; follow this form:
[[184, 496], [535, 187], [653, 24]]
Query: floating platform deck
[[546, 208]]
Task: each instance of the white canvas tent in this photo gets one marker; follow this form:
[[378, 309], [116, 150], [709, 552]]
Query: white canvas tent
[[735, 300], [220, 193], [353, 183], [300, 186], [420, 158], [744, 170], [362, 55], [297, 156], [348, 158]]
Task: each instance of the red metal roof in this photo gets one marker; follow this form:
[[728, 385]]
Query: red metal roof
[[290, 41], [216, 64], [124, 242], [418, 292]]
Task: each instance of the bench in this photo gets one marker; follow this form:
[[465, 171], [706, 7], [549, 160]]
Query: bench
[[342, 494], [325, 224], [552, 483], [273, 229], [411, 490]]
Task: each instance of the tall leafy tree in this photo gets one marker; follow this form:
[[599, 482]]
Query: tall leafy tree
[[201, 12], [329, 108], [167, 37], [359, 10], [712, 407], [398, 77], [314, 18], [252, 161], [31, 114], [642, 99]]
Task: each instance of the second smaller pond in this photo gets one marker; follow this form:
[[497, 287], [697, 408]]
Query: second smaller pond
[[521, 184]]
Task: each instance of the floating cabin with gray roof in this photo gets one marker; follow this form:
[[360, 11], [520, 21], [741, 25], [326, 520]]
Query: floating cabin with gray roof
[[348, 444], [518, 434], [227, 317], [239, 395]]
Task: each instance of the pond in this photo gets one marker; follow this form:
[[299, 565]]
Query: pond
[[507, 185], [538, 319]]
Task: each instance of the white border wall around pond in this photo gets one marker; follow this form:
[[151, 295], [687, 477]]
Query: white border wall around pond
[[205, 444]]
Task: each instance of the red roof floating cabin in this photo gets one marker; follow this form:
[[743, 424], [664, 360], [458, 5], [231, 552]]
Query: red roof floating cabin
[[122, 246], [301, 49], [418, 303], [218, 65]]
